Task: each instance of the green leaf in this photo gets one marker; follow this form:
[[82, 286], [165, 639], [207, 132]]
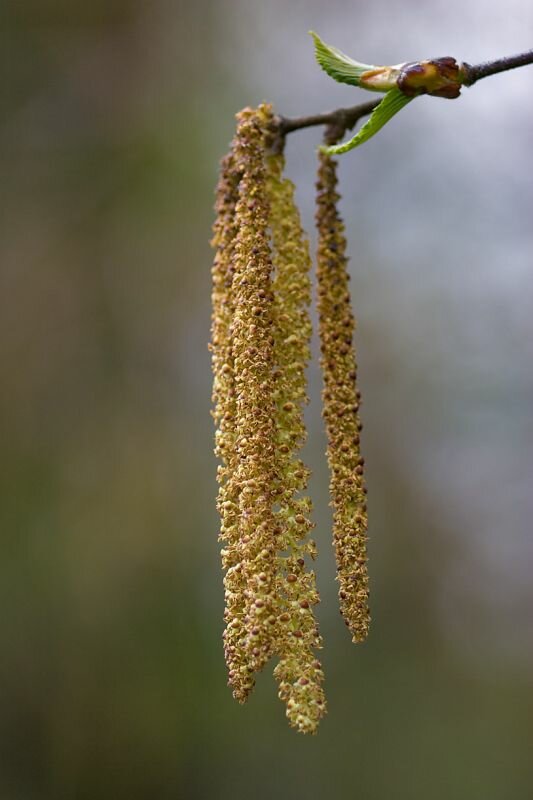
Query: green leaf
[[393, 102], [338, 65]]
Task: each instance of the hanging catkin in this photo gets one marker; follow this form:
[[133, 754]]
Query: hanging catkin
[[298, 672], [224, 412], [260, 346], [255, 428], [341, 405], [243, 348]]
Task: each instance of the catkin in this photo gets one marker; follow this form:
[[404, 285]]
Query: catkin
[[261, 332], [252, 615], [341, 402], [224, 412], [299, 673]]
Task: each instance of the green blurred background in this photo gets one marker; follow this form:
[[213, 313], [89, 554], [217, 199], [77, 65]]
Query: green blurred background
[[112, 681]]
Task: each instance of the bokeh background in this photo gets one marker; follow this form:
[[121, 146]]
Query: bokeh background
[[112, 680]]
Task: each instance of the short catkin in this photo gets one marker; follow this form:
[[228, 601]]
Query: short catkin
[[341, 401]]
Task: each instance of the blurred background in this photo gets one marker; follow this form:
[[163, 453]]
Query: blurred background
[[112, 681]]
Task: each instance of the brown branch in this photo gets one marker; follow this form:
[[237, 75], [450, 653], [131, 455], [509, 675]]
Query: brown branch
[[345, 117], [479, 71], [337, 122]]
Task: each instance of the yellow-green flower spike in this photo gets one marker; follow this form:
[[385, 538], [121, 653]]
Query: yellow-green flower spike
[[242, 347], [341, 401], [298, 672], [224, 412], [254, 479]]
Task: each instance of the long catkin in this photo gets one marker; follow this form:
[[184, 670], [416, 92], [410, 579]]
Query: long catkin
[[299, 673], [224, 413], [243, 352]]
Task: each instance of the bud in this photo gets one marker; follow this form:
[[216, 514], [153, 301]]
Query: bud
[[441, 77]]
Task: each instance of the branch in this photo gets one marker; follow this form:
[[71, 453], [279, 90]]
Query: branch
[[479, 71], [337, 122], [344, 119]]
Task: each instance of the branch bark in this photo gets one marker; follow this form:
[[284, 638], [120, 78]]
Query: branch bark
[[479, 71]]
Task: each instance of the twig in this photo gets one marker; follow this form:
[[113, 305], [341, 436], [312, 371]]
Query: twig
[[479, 71], [344, 119], [338, 122]]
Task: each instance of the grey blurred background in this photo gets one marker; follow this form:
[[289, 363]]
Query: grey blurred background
[[112, 681]]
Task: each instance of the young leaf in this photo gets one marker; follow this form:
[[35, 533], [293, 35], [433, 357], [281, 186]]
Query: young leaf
[[393, 102], [344, 69], [338, 65]]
